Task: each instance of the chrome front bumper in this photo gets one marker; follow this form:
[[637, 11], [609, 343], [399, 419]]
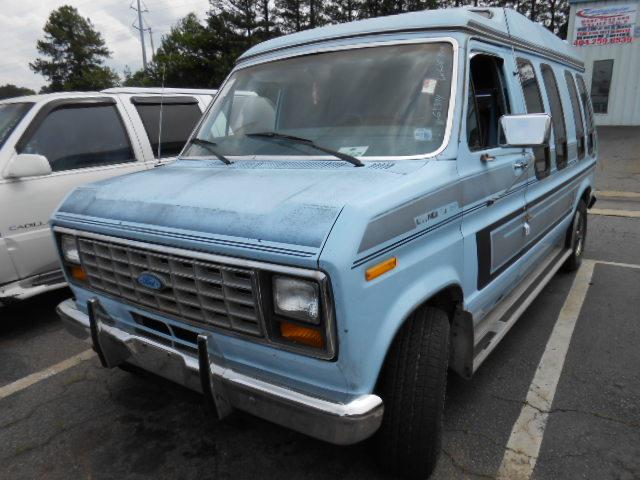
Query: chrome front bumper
[[223, 387]]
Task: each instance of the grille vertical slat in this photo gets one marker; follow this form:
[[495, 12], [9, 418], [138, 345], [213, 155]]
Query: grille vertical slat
[[196, 291]]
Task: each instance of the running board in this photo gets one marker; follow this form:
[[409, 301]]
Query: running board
[[500, 320]]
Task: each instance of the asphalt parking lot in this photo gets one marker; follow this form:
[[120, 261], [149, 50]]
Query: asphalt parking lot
[[77, 420]]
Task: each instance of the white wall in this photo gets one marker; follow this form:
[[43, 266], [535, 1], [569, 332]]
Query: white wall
[[624, 96]]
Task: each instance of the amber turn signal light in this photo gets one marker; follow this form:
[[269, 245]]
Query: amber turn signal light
[[305, 335], [380, 268], [78, 273]]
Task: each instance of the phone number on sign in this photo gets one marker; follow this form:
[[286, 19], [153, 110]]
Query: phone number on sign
[[602, 41]]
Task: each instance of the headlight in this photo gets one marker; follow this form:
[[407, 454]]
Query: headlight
[[298, 299], [70, 249]]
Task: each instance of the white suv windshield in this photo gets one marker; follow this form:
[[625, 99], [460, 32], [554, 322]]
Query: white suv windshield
[[365, 102], [10, 116]]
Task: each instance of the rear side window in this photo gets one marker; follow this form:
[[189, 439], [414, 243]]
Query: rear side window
[[178, 121], [10, 116], [588, 112], [557, 115], [577, 115], [80, 136], [533, 103]]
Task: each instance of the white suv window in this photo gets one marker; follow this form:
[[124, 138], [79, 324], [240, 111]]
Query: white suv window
[[80, 135], [179, 118]]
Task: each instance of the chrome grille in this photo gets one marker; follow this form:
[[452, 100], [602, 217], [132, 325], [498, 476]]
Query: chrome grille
[[200, 292]]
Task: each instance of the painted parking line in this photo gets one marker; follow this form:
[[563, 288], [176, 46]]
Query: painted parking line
[[618, 264], [524, 443], [617, 194], [34, 378], [615, 213]]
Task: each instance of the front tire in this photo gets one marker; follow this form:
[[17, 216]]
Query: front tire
[[412, 385], [577, 237]]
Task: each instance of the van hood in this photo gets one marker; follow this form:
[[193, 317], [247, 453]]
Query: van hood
[[292, 203]]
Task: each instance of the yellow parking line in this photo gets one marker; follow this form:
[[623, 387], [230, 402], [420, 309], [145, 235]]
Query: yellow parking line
[[26, 382], [615, 213]]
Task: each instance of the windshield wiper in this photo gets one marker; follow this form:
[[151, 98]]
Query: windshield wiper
[[309, 143], [209, 145]]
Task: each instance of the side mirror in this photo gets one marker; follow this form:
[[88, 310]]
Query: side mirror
[[530, 130], [27, 165]]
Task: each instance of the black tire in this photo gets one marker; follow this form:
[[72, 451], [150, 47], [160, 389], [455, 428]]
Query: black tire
[[412, 385], [576, 238]]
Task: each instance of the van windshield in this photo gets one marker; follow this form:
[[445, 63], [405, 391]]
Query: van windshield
[[364, 102], [10, 116]]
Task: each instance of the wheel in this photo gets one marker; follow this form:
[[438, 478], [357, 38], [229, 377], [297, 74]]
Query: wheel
[[412, 385], [576, 238]]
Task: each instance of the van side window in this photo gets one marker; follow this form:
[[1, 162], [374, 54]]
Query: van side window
[[80, 136], [178, 121], [533, 103], [557, 115], [586, 107], [487, 101], [577, 115]]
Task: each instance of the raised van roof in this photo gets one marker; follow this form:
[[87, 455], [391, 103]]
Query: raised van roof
[[502, 24]]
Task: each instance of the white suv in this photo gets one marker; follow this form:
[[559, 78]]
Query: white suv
[[51, 143]]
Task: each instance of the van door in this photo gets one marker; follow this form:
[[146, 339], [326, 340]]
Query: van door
[[84, 140], [493, 181]]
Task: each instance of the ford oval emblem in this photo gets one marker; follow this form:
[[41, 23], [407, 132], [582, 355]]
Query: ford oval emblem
[[151, 281]]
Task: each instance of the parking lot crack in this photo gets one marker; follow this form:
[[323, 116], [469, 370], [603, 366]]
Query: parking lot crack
[[597, 415]]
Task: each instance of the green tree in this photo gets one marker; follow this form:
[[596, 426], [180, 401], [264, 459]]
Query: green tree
[[73, 54], [192, 55], [341, 11], [9, 91]]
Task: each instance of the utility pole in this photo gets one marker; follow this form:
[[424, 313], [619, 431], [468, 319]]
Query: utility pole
[[141, 29], [153, 49]]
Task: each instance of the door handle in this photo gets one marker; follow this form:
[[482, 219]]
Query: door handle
[[521, 164], [485, 157]]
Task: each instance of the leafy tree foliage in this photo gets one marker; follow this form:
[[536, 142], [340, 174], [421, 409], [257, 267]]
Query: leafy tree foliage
[[9, 91], [73, 53]]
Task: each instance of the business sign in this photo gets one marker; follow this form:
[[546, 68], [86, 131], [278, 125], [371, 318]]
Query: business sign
[[605, 26]]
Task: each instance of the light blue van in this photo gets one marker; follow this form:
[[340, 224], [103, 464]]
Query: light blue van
[[363, 207]]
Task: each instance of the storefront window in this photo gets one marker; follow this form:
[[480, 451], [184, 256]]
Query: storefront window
[[601, 84]]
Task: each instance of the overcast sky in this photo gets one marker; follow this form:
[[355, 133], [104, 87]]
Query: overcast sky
[[21, 23]]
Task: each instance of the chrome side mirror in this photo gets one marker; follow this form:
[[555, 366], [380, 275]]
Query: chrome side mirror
[[530, 130], [27, 165]]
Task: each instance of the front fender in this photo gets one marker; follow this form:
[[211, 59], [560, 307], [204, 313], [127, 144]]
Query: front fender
[[368, 314]]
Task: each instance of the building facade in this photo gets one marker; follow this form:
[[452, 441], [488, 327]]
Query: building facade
[[607, 34]]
